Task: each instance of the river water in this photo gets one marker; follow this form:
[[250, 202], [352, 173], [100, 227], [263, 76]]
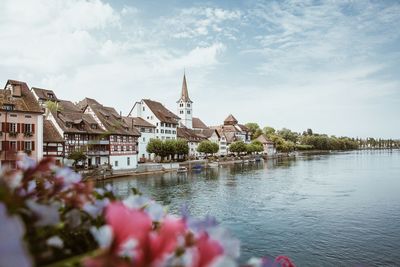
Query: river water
[[337, 209]]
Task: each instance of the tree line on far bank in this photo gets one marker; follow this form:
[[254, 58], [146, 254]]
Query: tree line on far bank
[[286, 140]]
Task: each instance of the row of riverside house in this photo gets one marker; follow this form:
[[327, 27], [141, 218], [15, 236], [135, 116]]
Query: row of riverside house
[[40, 124]]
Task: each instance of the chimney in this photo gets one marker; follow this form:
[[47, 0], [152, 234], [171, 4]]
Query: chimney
[[16, 90]]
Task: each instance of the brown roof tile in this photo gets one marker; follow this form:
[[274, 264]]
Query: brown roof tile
[[137, 122], [198, 124], [22, 100], [50, 133], [109, 117], [45, 94], [161, 112]]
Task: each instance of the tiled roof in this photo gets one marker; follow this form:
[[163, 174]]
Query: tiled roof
[[198, 124], [50, 133], [230, 120], [137, 122], [264, 140], [26, 102], [72, 120], [44, 94], [109, 117], [161, 112], [189, 134]]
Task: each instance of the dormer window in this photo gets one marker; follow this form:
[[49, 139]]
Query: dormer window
[[8, 107], [50, 95], [93, 126], [68, 124]]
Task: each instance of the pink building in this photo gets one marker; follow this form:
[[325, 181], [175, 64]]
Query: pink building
[[21, 127]]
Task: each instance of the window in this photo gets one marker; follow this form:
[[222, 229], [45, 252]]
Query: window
[[28, 116], [94, 126], [181, 112], [188, 112], [27, 128], [144, 139], [162, 124], [13, 115], [156, 130], [143, 109], [13, 128], [28, 145], [162, 131], [13, 146], [115, 148], [188, 105], [8, 107], [142, 130], [128, 161], [124, 148], [116, 163]]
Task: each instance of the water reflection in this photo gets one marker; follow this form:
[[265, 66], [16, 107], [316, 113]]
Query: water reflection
[[322, 210]]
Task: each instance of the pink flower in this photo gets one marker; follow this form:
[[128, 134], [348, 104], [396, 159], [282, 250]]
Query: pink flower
[[128, 224], [284, 261], [207, 251], [165, 241]]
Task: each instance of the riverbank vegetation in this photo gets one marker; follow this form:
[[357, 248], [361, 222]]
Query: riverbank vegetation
[[286, 140]]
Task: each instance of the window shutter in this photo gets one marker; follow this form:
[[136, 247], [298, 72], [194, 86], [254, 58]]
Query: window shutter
[[18, 145], [3, 126], [18, 127], [33, 128], [22, 145], [7, 127], [33, 145]]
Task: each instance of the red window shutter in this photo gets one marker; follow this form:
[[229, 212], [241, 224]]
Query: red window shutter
[[33, 128], [22, 128], [22, 145], [3, 126], [33, 145], [18, 127], [18, 145], [8, 127]]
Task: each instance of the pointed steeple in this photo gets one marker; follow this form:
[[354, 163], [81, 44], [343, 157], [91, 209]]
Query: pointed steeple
[[185, 93]]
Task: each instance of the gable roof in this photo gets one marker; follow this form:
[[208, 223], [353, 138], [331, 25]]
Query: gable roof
[[109, 117], [189, 134], [72, 120], [45, 94], [198, 124], [264, 140], [161, 112], [230, 120], [137, 122], [25, 102], [50, 133]]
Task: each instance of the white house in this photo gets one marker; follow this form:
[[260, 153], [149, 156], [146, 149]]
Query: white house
[[268, 145], [156, 114], [147, 131]]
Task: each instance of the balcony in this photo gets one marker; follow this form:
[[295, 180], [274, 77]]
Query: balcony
[[98, 153], [98, 142]]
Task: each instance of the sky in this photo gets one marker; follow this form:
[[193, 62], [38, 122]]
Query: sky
[[332, 66]]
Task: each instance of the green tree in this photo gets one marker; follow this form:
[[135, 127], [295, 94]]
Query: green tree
[[288, 135], [77, 156], [169, 148], [182, 147], [255, 129], [155, 146], [254, 146], [208, 147], [268, 131], [238, 147]]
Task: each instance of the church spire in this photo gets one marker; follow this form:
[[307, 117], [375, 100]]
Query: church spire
[[185, 93]]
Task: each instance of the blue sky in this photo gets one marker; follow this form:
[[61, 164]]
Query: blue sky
[[333, 66]]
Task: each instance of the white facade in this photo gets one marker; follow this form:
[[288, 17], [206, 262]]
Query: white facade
[[185, 111], [124, 162], [163, 131], [143, 140], [221, 141]]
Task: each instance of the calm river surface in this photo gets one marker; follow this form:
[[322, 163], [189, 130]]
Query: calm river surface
[[338, 209]]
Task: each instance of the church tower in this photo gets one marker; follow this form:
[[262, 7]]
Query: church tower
[[185, 106]]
